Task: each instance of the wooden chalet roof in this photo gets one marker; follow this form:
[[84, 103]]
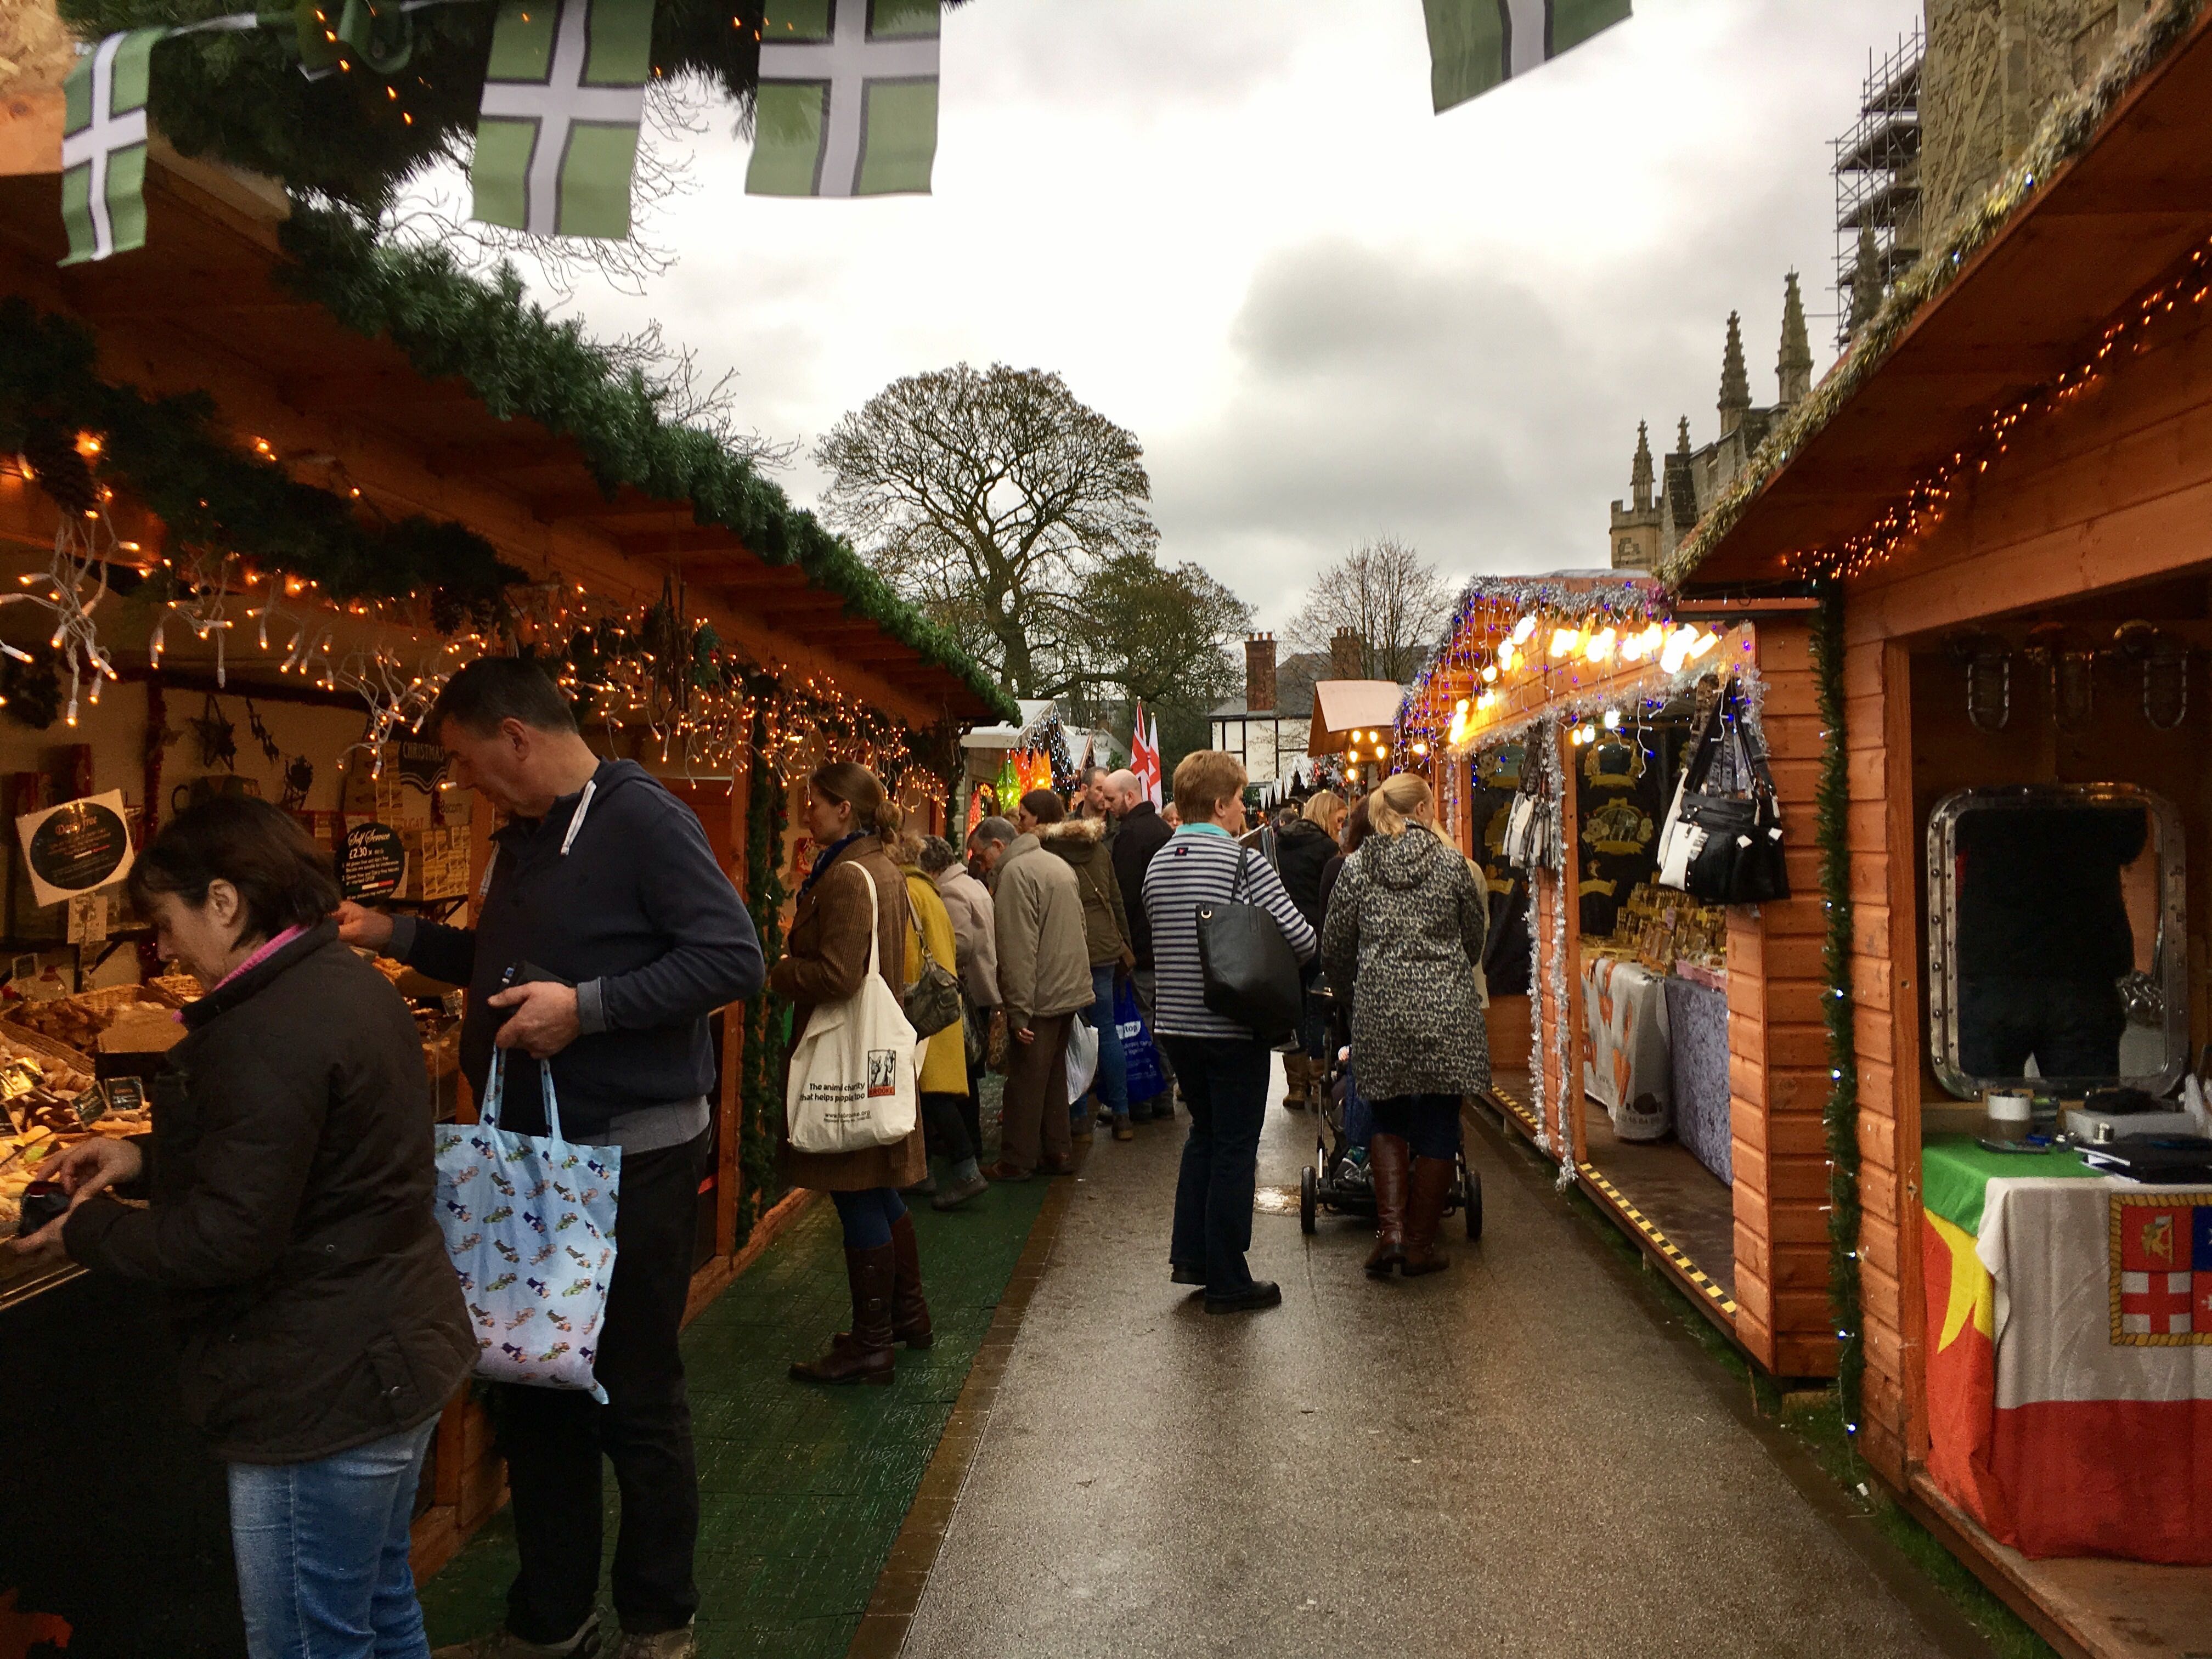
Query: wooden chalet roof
[[2028, 303], [203, 306]]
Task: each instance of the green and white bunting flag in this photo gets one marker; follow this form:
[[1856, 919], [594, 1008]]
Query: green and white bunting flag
[[847, 102], [1475, 45], [103, 147], [557, 134]]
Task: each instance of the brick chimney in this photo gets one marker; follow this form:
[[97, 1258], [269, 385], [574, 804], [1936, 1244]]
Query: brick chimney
[[1345, 648], [1260, 672]]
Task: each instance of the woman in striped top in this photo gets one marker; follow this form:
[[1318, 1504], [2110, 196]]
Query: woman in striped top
[[1222, 1066]]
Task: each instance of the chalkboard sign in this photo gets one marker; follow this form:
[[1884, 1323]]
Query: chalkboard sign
[[373, 862], [76, 848]]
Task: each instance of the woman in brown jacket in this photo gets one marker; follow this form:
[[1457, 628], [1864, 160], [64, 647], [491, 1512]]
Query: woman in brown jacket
[[826, 960]]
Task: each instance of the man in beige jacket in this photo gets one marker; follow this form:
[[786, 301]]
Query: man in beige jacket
[[1044, 980]]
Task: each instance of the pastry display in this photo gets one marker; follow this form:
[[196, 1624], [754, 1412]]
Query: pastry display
[[77, 1022]]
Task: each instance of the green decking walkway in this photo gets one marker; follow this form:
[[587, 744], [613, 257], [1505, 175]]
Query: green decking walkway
[[802, 1489]]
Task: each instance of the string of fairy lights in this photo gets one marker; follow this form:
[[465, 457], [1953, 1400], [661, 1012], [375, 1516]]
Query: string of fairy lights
[[701, 705], [1924, 504]]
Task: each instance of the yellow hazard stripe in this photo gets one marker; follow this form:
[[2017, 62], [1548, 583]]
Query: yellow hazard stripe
[[1682, 1264]]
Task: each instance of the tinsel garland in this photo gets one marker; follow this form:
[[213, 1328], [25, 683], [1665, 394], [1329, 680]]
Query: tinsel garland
[[1625, 600], [522, 363], [169, 453], [2065, 131], [1833, 810], [766, 1020]]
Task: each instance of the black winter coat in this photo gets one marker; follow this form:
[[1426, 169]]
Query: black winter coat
[[290, 1172], [1302, 850], [1142, 834]]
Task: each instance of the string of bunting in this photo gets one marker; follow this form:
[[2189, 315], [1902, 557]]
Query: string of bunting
[[845, 104]]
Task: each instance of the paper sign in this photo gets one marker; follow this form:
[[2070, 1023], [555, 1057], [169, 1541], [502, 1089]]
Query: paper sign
[[76, 848], [88, 919], [373, 863]]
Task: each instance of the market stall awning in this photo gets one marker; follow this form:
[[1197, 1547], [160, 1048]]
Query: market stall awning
[[526, 456], [1343, 707], [2030, 304]]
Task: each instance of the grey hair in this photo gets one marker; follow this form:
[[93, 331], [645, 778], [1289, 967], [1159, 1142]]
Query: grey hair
[[994, 828], [936, 854]]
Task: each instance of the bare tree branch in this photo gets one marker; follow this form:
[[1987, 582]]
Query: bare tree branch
[[1388, 595]]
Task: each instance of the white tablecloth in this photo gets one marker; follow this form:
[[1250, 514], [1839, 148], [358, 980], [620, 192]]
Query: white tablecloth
[[1626, 1068]]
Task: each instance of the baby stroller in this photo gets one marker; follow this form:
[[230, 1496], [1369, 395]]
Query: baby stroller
[[1338, 1180]]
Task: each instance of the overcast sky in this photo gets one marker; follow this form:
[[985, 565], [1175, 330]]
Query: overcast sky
[[1236, 229]]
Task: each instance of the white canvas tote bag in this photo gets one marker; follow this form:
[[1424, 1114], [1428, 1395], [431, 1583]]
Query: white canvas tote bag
[[856, 1077]]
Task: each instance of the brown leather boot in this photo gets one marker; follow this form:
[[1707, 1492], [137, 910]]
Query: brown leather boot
[[1297, 1081], [1386, 1157], [910, 1313], [1424, 1214], [864, 1353]]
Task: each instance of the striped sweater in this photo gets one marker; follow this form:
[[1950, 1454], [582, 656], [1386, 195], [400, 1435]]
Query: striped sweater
[[1199, 866]]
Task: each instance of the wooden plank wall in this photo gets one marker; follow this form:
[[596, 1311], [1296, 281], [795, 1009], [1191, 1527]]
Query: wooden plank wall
[[2111, 489], [1777, 1048]]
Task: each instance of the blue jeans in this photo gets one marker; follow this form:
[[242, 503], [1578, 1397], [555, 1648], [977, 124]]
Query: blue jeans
[[1429, 1124], [1224, 1085], [869, 1216], [322, 1552], [1111, 1084]]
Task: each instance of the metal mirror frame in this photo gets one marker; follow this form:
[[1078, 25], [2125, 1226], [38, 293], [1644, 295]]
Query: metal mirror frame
[[2170, 951]]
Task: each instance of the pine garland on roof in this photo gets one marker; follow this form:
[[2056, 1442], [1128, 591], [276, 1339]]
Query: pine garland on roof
[[521, 362]]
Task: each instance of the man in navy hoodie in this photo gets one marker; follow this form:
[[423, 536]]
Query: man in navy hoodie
[[606, 935]]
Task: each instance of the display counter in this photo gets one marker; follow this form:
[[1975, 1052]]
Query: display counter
[[2068, 1336]]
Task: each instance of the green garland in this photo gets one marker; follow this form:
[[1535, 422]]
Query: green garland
[[522, 363], [767, 1022], [169, 453], [1832, 807]]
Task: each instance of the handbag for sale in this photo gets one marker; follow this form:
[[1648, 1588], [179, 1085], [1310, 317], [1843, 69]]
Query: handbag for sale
[[1725, 850], [1250, 972], [856, 1074], [530, 1223], [932, 1001]]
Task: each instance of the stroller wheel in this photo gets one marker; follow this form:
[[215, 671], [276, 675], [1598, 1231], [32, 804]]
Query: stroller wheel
[[1309, 1200], [1470, 1199]]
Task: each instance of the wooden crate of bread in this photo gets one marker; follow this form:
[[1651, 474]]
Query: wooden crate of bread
[[76, 1022]]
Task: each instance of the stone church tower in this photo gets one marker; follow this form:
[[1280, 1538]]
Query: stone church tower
[[1661, 509]]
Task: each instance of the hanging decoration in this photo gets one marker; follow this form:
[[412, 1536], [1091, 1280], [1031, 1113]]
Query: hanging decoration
[[563, 96], [848, 101], [103, 147], [71, 588], [1475, 46], [201, 609]]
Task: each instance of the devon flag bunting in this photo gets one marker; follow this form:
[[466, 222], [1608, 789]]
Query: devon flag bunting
[[1475, 45], [103, 147], [556, 135], [847, 101]]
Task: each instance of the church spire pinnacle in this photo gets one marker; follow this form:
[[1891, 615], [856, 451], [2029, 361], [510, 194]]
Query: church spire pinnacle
[[1795, 367], [1682, 437], [1736, 378], [1640, 477]]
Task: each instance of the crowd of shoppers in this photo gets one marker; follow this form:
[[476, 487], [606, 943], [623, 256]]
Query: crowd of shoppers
[[288, 1178]]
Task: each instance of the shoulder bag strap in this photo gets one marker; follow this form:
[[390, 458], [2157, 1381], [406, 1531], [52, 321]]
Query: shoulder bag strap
[[875, 939]]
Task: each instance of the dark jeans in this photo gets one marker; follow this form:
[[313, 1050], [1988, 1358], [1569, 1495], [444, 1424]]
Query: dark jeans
[[554, 1438], [1430, 1123], [2072, 1027], [1111, 1083], [1224, 1085], [945, 1126], [869, 1215]]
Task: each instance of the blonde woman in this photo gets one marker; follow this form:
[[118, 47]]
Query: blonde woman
[[1404, 926]]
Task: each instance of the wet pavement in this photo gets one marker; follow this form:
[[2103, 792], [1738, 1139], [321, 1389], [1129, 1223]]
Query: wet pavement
[[1516, 1456]]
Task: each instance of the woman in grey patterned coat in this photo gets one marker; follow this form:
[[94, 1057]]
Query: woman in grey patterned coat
[[1404, 926]]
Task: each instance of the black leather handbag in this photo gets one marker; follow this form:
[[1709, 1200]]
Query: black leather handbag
[[1250, 972], [1738, 838]]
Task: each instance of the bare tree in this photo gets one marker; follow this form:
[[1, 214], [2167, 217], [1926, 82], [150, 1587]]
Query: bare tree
[[991, 498], [1388, 595]]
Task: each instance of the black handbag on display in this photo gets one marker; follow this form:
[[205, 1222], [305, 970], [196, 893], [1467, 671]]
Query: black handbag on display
[[1737, 839], [1250, 972]]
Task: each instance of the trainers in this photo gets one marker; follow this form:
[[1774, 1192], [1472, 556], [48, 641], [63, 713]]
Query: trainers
[[959, 1192], [662, 1645], [1122, 1130], [504, 1644]]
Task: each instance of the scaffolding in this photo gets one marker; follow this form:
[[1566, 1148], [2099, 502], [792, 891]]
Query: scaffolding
[[1877, 170]]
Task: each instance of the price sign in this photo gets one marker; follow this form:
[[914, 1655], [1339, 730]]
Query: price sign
[[373, 862], [76, 847]]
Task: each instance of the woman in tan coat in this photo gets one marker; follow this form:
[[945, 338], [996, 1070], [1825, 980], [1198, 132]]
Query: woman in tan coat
[[825, 960]]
